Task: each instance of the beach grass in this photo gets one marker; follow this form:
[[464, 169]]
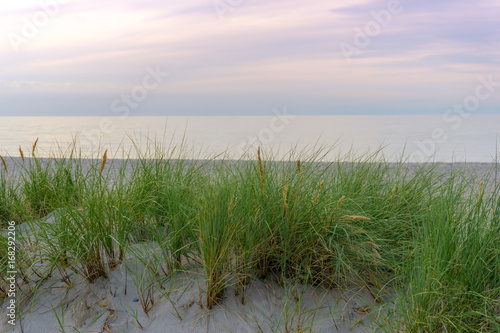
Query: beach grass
[[424, 237]]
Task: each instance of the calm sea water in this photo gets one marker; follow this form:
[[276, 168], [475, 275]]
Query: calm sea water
[[418, 138]]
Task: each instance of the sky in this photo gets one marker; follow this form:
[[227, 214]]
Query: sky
[[246, 57]]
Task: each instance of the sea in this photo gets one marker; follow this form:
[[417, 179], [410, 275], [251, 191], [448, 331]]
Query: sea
[[412, 138]]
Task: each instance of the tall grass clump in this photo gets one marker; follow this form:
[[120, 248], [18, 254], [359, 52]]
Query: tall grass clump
[[217, 228], [288, 207], [9, 198], [83, 237], [454, 282], [49, 183], [325, 223], [4, 284], [160, 194]]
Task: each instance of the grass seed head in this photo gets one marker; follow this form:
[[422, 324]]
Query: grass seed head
[[261, 168], [34, 147], [4, 164], [315, 201], [21, 152], [298, 167], [355, 218], [285, 204], [340, 201], [104, 159]]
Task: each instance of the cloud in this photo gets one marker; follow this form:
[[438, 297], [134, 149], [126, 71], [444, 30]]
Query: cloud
[[285, 48], [24, 84]]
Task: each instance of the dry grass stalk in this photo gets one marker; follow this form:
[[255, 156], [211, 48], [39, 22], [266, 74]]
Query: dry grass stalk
[[261, 168], [215, 292], [4, 164], [104, 159], [364, 309], [315, 201], [340, 201], [285, 191], [355, 218], [21, 152], [298, 167], [374, 248], [34, 147]]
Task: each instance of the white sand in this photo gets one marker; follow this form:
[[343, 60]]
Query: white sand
[[107, 305], [104, 306]]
